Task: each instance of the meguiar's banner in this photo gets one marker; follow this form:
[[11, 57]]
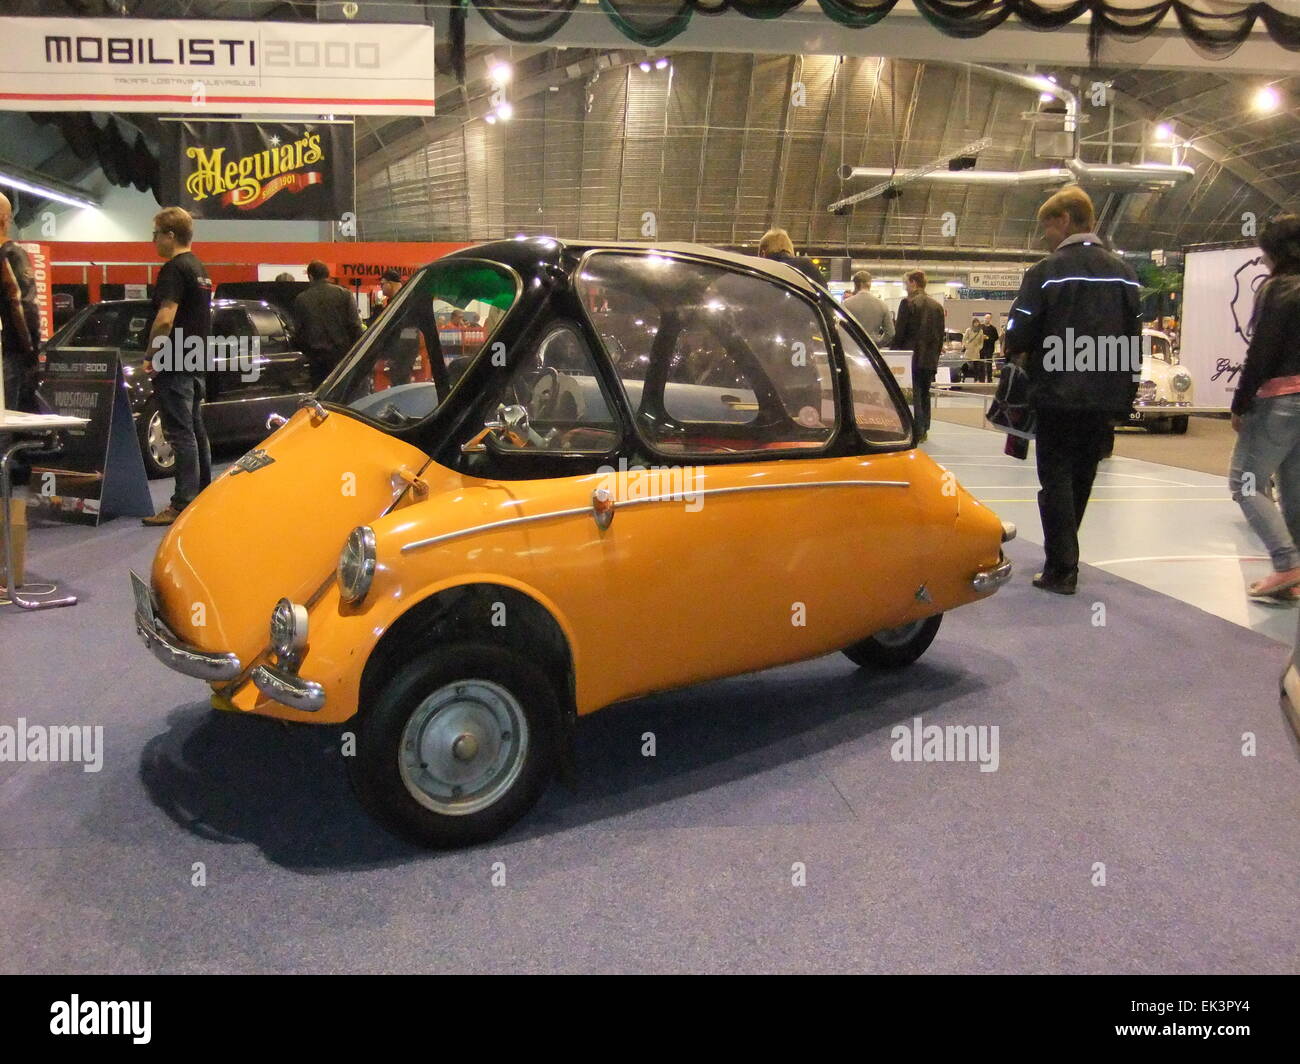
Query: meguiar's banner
[[196, 67], [258, 170]]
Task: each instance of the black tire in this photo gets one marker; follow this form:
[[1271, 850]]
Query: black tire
[[467, 681], [1178, 425], [1160, 425], [159, 458], [895, 647]]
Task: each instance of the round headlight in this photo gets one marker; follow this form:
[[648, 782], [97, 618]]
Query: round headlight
[[1182, 381], [288, 627], [357, 565]]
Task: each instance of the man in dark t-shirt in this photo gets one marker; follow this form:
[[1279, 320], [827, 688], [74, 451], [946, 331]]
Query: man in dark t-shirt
[[181, 323], [20, 319]]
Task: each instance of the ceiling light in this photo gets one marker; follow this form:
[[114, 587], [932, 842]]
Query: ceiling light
[[1163, 132], [644, 65], [660, 64], [1267, 99], [1045, 97], [490, 118], [506, 111], [72, 199], [499, 73]]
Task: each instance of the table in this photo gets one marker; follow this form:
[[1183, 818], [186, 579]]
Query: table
[[34, 432]]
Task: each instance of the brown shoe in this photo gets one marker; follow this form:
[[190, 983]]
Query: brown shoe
[[165, 516]]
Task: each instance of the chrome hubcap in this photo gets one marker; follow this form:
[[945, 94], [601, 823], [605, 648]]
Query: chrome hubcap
[[464, 747], [900, 636], [159, 449]]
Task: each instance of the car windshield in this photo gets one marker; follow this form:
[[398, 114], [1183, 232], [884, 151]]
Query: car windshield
[[409, 362]]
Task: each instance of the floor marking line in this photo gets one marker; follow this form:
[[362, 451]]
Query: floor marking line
[[1186, 558]]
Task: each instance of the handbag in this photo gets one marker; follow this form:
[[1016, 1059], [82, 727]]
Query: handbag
[[1010, 410]]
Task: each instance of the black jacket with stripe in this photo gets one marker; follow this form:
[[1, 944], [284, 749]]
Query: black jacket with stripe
[[1078, 321]]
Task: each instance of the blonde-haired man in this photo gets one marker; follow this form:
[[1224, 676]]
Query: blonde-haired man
[[777, 245], [182, 307], [1080, 292]]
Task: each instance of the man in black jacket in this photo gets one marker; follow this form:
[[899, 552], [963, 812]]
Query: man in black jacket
[[920, 329], [326, 321], [1076, 327]]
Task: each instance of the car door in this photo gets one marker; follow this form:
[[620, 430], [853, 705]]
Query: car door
[[267, 376], [742, 542]]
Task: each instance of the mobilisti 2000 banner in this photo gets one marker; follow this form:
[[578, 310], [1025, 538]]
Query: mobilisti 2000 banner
[[258, 170]]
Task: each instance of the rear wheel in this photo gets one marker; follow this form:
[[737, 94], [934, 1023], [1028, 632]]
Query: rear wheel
[[457, 745], [1178, 425], [893, 648], [159, 458]]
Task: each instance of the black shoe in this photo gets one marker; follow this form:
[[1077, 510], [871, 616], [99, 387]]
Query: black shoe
[[1057, 585]]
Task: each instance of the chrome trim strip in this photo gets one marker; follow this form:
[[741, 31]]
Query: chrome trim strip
[[288, 689], [586, 511]]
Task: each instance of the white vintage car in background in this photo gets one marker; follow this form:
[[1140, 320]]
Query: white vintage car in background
[[1165, 392]]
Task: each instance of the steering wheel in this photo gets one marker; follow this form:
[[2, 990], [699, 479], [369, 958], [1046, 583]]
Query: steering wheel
[[542, 403]]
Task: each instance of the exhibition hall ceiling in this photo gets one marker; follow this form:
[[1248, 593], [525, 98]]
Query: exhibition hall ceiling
[[717, 146]]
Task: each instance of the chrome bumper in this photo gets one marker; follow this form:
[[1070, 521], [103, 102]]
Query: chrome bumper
[[987, 581], [288, 689], [178, 656]]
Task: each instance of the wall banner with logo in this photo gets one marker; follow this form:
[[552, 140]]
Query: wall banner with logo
[[1218, 301], [258, 170], [193, 66]]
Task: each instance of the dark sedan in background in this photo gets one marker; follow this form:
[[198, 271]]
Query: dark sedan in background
[[236, 408]]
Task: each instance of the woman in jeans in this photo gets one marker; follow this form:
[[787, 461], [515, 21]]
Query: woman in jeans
[[1266, 412]]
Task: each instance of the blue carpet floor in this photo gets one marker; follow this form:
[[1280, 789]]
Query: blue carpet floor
[[1119, 745]]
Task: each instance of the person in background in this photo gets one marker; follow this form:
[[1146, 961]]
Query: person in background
[[182, 308], [20, 319], [988, 352], [972, 340], [777, 245], [390, 283], [285, 276], [326, 320], [1266, 412], [920, 329], [869, 309], [1083, 287]]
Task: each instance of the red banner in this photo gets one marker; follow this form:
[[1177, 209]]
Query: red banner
[[41, 272], [293, 182]]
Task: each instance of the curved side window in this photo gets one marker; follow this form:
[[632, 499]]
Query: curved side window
[[875, 412], [714, 361], [443, 320]]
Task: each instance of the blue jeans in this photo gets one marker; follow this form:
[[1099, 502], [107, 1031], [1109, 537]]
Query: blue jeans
[[180, 398], [1269, 446]]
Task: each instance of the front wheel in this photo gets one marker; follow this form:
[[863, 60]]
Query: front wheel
[[1178, 425], [893, 648], [457, 745]]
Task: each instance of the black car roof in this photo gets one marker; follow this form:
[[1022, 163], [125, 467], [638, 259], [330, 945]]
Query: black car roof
[[528, 253]]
